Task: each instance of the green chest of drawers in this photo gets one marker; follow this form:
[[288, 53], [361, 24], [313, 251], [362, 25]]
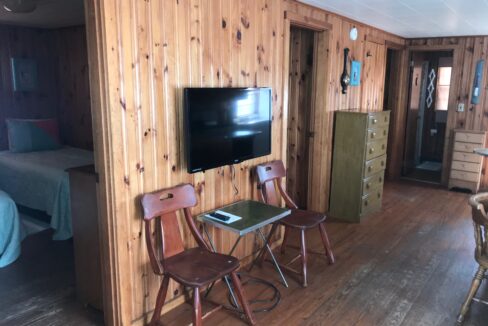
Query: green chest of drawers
[[358, 164]]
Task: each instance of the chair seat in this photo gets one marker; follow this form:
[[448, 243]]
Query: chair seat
[[301, 219], [197, 267]]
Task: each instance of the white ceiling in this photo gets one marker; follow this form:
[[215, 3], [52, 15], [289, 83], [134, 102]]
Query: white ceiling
[[415, 18], [48, 14]]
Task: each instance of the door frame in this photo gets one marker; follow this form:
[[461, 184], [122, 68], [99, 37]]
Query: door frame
[[321, 125], [451, 110], [98, 65]]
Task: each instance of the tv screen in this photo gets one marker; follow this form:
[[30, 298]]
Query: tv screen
[[226, 126]]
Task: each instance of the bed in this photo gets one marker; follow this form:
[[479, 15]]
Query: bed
[[11, 230], [39, 180]]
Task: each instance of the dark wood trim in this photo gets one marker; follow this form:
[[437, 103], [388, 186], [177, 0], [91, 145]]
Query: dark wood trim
[[395, 46], [374, 39], [307, 22]]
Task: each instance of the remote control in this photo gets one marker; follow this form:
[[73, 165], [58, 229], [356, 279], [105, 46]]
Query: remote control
[[220, 216]]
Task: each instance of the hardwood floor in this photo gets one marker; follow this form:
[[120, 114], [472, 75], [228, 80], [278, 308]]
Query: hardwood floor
[[410, 264], [38, 288]]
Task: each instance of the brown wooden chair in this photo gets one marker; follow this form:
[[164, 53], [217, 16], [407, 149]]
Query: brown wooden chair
[[478, 203], [270, 175], [195, 267]]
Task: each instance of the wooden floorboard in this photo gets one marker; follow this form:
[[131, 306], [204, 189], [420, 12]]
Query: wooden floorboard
[[410, 264], [39, 288]]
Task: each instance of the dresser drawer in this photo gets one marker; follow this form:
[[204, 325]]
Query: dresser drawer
[[378, 119], [372, 201], [375, 149], [466, 166], [377, 133], [466, 176], [466, 157], [470, 138], [373, 182], [465, 147], [374, 166]]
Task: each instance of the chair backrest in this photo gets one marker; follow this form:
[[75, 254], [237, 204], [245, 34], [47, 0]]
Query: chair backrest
[[162, 206], [270, 177], [479, 203]]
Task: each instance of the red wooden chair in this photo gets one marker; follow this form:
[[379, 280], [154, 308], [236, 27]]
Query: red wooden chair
[[270, 175], [195, 267]]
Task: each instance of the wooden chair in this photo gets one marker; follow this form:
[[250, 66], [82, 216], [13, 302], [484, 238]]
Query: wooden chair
[[194, 268], [270, 175], [478, 203]]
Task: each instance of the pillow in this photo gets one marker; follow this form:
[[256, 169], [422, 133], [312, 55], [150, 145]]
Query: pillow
[[33, 135]]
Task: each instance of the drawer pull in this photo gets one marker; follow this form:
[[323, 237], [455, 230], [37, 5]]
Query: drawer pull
[[365, 203], [380, 179], [383, 146], [371, 150], [368, 185], [369, 168], [375, 121], [382, 163], [373, 135], [384, 132], [379, 195]]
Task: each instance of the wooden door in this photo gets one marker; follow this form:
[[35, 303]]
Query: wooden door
[[416, 78], [373, 76], [300, 102]]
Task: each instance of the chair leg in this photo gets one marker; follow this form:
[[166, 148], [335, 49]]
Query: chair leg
[[304, 257], [242, 298], [264, 252], [480, 274], [325, 241], [160, 301], [197, 308], [285, 239]]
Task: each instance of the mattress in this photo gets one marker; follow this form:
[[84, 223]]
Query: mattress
[[39, 180]]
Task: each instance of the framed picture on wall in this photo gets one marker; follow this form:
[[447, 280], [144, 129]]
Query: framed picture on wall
[[24, 74], [355, 73]]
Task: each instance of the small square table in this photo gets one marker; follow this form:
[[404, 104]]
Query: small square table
[[254, 216]]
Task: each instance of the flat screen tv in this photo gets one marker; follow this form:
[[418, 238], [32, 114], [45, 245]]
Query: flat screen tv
[[226, 125]]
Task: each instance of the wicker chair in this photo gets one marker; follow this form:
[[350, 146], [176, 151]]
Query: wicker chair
[[479, 203]]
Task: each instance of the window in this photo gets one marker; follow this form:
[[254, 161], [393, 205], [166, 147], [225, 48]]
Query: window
[[443, 86]]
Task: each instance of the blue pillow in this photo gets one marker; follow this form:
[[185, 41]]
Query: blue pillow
[[33, 135]]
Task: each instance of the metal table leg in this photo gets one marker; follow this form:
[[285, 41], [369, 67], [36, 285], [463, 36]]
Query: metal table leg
[[226, 278], [273, 257]]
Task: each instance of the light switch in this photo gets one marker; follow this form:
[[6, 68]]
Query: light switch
[[460, 107]]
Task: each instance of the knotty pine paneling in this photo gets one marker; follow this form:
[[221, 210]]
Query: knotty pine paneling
[[467, 51], [152, 50], [63, 87], [73, 91], [34, 44]]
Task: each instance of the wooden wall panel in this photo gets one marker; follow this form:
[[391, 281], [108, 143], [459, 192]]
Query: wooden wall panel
[[467, 51], [73, 90], [34, 44], [367, 97], [151, 51], [63, 91]]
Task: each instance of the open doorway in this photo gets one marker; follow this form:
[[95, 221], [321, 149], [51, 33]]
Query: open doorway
[[430, 79], [299, 112], [45, 139]]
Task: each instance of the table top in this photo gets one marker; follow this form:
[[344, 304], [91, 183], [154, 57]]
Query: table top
[[254, 215], [481, 151]]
